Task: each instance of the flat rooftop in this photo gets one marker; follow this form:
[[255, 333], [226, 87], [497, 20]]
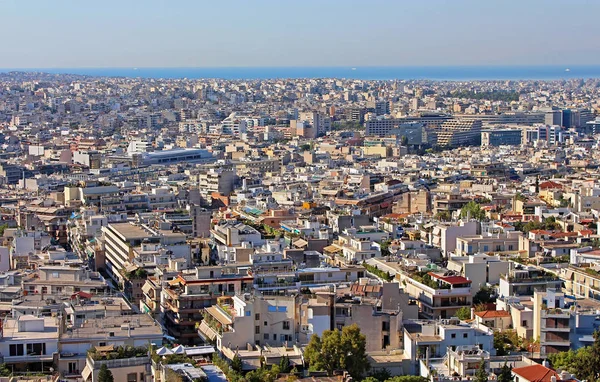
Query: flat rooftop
[[11, 329], [101, 328], [130, 231]]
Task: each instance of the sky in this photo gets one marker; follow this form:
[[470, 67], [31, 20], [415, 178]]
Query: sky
[[271, 33]]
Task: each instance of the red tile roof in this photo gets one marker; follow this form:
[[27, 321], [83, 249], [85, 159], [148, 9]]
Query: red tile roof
[[536, 373], [492, 313], [451, 279], [550, 185]]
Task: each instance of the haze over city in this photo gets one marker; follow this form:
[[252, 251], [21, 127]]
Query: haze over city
[[277, 191], [156, 33]]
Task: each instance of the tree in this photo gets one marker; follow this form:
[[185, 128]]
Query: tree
[[236, 364], [444, 215], [481, 375], [337, 350], [284, 364], [105, 375], [472, 210], [354, 344], [464, 313], [407, 378], [372, 379], [381, 375], [505, 374], [483, 296]]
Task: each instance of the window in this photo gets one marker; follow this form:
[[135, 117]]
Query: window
[[55, 275], [386, 341], [465, 335], [257, 316], [286, 325], [257, 329], [272, 309], [248, 313], [274, 337], [524, 323], [453, 335], [385, 326], [266, 336], [36, 349], [265, 323], [73, 368], [132, 377], [15, 350], [282, 309]]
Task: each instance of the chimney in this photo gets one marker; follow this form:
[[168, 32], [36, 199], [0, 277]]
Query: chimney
[[553, 378], [472, 313]]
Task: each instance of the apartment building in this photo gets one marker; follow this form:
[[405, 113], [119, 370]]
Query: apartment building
[[438, 296], [524, 281], [127, 243], [29, 343], [501, 243], [185, 297]]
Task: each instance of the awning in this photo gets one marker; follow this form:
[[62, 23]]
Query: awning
[[569, 275], [146, 288], [207, 331], [105, 349], [332, 249], [219, 316], [301, 243], [86, 373], [81, 295]]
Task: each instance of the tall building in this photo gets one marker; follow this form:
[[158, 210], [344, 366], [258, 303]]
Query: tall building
[[501, 137], [510, 118], [320, 122], [554, 117], [457, 133]]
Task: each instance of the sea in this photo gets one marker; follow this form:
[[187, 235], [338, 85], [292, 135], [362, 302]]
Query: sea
[[440, 73]]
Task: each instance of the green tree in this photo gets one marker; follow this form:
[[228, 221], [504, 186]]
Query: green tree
[[381, 375], [481, 375], [472, 210], [236, 364], [505, 374], [337, 350], [354, 345], [444, 215], [284, 364], [464, 313], [483, 295], [371, 379], [407, 378], [105, 375]]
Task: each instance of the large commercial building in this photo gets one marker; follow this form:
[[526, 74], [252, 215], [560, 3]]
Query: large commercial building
[[529, 119], [166, 157], [457, 133], [501, 137], [383, 127]]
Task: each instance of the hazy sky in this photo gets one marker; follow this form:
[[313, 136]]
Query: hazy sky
[[194, 33]]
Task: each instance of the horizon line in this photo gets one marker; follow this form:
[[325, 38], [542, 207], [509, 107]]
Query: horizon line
[[310, 66]]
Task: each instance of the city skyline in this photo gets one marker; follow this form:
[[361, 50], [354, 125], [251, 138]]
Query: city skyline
[[273, 34]]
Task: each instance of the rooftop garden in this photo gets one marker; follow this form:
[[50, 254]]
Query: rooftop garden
[[424, 278], [117, 352], [378, 272]]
